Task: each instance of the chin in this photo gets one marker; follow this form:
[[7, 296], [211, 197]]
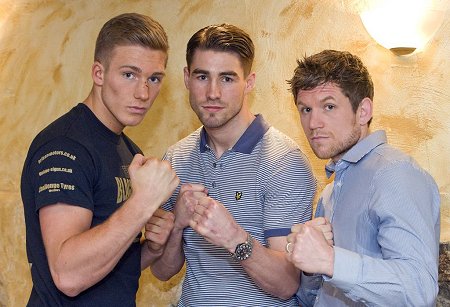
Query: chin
[[322, 155], [133, 123]]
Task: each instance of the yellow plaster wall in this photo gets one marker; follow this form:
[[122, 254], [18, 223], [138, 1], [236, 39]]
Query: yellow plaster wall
[[46, 49]]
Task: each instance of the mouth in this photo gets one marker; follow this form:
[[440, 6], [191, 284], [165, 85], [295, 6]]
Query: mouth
[[137, 110], [317, 138], [212, 109]]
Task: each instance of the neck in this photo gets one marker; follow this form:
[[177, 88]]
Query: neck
[[95, 103], [225, 137]]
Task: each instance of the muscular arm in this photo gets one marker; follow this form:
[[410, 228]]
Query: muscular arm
[[157, 232], [279, 277], [172, 260], [80, 256], [173, 257]]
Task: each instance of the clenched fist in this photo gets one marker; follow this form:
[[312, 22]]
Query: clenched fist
[[310, 247]]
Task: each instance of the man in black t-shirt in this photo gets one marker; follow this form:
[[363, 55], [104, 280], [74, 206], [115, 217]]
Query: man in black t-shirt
[[86, 187]]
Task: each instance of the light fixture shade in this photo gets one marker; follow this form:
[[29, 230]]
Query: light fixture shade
[[403, 25]]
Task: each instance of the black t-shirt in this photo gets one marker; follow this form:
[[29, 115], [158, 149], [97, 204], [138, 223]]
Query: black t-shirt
[[78, 161]]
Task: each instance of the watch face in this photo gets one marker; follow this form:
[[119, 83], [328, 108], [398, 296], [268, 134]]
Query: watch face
[[243, 251]]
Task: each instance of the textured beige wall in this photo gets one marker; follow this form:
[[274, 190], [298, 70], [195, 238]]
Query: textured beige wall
[[46, 49]]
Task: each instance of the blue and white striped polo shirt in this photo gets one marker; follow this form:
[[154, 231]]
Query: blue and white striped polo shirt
[[266, 183]]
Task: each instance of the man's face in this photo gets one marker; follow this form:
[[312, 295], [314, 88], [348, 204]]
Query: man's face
[[217, 87], [328, 121], [129, 85]]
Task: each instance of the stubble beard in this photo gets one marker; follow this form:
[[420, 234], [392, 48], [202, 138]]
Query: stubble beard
[[339, 149], [214, 120]]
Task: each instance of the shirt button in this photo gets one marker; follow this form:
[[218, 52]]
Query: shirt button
[[213, 184], [214, 165]]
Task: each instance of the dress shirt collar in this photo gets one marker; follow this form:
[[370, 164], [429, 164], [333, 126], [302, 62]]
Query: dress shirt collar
[[358, 151]]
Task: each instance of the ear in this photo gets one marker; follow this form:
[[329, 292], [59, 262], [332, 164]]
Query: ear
[[186, 77], [250, 82], [98, 73], [365, 111]]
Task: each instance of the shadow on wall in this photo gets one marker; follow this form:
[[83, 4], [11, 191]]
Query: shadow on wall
[[3, 295]]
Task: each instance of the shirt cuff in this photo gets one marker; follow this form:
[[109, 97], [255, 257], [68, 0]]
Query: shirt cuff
[[347, 266]]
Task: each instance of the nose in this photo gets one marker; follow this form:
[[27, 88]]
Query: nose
[[315, 119], [142, 90], [213, 91]]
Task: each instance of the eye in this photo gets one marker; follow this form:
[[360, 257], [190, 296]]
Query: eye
[[329, 107], [227, 79], [202, 77], [128, 75], [154, 79], [304, 110]]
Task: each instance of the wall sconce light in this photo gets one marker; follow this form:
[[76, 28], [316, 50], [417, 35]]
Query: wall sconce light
[[403, 26]]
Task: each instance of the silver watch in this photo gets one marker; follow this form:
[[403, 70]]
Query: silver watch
[[243, 250]]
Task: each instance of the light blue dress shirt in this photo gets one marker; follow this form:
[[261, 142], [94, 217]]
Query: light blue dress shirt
[[384, 210]]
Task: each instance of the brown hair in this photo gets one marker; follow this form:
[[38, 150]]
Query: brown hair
[[129, 29], [226, 38], [341, 68]]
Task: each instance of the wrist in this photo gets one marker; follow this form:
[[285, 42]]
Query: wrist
[[237, 239], [329, 271], [154, 248], [243, 250]]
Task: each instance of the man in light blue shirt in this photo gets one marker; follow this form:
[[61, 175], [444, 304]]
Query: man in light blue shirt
[[383, 208]]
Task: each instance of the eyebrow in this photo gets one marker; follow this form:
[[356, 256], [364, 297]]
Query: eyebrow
[[321, 100], [205, 72], [327, 98], [139, 70], [132, 67]]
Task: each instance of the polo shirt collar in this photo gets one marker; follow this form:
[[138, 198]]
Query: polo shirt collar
[[248, 139], [359, 150]]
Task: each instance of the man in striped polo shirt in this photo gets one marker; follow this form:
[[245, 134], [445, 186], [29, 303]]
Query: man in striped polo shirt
[[243, 185]]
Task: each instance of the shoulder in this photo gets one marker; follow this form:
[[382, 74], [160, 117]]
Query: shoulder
[[65, 137], [278, 140], [280, 148], [186, 144], [398, 173], [68, 126], [389, 160]]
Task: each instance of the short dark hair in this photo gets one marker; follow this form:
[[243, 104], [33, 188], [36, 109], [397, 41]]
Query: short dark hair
[[129, 29], [341, 68], [226, 38]]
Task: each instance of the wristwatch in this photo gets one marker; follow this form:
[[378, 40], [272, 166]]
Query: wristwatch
[[243, 250]]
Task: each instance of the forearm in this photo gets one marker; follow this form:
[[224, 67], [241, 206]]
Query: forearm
[[86, 258], [393, 282], [148, 255], [172, 259], [271, 271]]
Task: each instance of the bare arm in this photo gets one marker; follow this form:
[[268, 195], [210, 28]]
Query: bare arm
[[80, 256], [279, 277], [173, 257], [157, 232]]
